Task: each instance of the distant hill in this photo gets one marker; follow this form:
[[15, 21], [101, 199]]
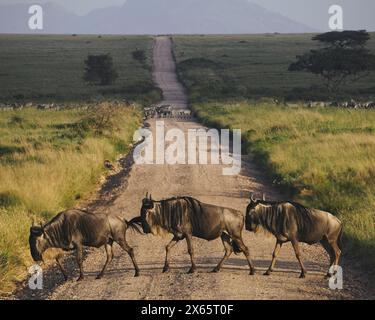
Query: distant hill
[[156, 17]]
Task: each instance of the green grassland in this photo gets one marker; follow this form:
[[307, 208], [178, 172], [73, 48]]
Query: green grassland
[[49, 161], [50, 68], [253, 66], [322, 157]]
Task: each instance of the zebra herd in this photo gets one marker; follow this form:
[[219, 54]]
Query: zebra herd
[[345, 104], [166, 111]]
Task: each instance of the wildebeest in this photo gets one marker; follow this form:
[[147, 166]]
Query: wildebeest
[[186, 217], [290, 221], [164, 111], [73, 229]]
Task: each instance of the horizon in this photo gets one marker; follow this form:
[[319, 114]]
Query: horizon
[[306, 17]]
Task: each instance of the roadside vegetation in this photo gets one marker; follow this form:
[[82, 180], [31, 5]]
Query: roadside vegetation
[[238, 67], [324, 157], [49, 161]]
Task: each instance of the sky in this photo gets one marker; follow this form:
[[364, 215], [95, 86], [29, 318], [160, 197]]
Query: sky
[[79, 7], [358, 14]]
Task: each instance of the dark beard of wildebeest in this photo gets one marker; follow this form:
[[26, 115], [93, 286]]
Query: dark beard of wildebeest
[[71, 230], [185, 217], [290, 221]]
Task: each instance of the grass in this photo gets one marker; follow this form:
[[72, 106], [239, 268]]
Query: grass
[[48, 162], [253, 66], [322, 157], [44, 68]]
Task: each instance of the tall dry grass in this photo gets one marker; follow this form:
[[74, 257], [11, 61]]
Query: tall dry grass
[[48, 162]]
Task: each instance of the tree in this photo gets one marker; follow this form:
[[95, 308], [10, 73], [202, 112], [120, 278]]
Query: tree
[[341, 58], [99, 70], [139, 55]]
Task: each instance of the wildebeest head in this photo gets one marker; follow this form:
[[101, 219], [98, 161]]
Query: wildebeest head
[[251, 223], [147, 211], [38, 242]]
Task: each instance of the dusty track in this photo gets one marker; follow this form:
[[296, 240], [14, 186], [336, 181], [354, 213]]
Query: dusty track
[[206, 183]]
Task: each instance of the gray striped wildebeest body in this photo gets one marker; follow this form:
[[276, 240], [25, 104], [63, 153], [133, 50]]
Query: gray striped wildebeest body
[[71, 230], [186, 217], [290, 221]]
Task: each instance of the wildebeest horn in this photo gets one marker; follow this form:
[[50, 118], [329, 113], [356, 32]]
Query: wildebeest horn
[[264, 197], [252, 197], [150, 197], [146, 194]]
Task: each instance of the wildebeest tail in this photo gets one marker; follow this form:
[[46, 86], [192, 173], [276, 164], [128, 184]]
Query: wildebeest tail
[[339, 238], [135, 224], [236, 248]]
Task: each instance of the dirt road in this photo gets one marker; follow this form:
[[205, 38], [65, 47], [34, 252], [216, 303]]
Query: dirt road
[[206, 183]]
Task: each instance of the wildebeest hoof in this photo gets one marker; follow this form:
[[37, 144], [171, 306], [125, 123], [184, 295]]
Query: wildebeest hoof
[[99, 276], [192, 270], [302, 276], [80, 278], [165, 269], [136, 274], [267, 273], [215, 270], [252, 272]]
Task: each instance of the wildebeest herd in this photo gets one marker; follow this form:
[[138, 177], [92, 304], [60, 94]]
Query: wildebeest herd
[[185, 218], [352, 104], [166, 111]]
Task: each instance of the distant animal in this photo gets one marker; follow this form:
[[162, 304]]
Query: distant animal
[[186, 217], [370, 104], [320, 104], [182, 113], [164, 111], [290, 221], [71, 230], [108, 165]]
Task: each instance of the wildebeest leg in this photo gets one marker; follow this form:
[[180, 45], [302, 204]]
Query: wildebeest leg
[[337, 253], [169, 246], [191, 253], [298, 256], [274, 257], [228, 251], [109, 252], [61, 267], [123, 244], [324, 242], [79, 257], [246, 252]]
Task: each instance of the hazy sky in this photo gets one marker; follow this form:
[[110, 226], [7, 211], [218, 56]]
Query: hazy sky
[[314, 13], [77, 6]]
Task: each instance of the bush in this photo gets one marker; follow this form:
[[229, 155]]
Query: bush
[[9, 199], [99, 119], [139, 55]]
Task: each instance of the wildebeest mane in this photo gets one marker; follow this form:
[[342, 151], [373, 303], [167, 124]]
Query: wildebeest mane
[[272, 216], [175, 212], [59, 229]]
